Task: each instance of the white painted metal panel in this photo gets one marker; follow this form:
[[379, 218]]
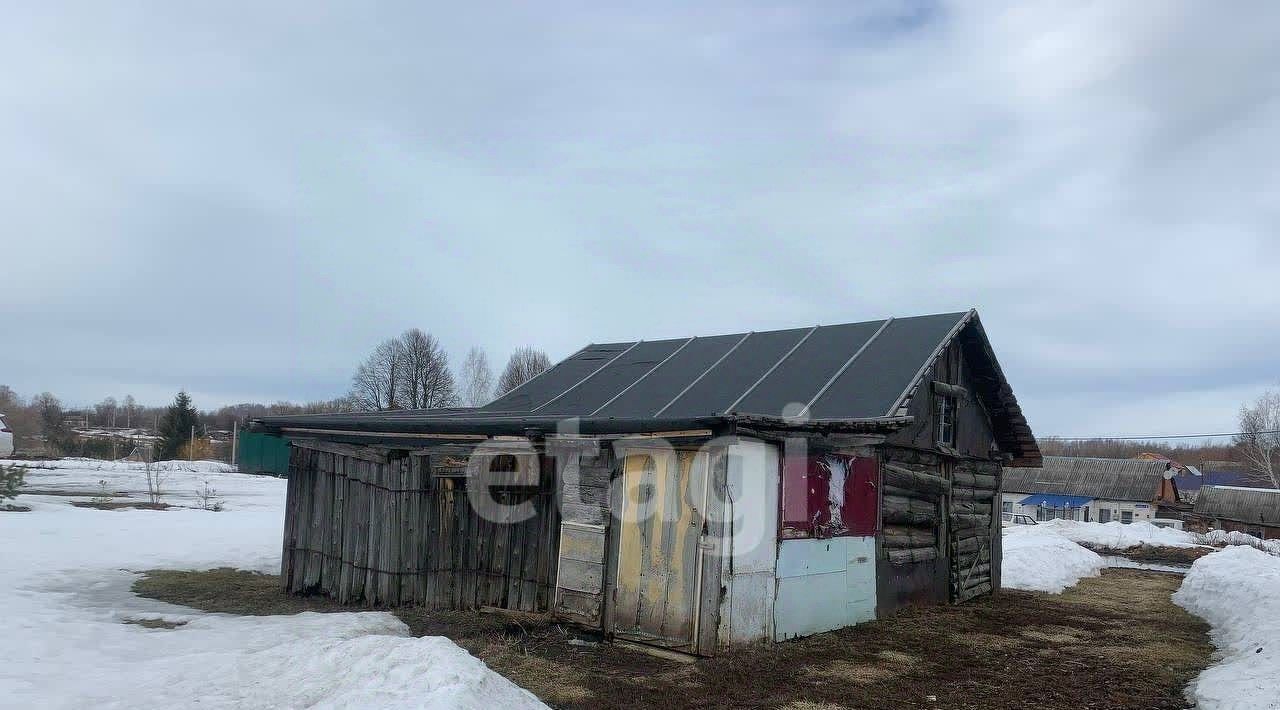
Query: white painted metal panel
[[750, 516]]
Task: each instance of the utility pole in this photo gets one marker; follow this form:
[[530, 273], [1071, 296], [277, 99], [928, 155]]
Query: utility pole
[[191, 452], [235, 440]]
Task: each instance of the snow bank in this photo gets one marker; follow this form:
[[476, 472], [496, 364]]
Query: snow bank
[[1235, 537], [1037, 558], [1237, 591], [65, 590], [1120, 536]]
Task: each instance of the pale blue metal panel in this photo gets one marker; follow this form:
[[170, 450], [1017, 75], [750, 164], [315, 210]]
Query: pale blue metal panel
[[809, 605], [824, 585], [801, 558], [860, 579]]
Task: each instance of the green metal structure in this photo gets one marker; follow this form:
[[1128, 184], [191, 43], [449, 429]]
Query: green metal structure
[[263, 454]]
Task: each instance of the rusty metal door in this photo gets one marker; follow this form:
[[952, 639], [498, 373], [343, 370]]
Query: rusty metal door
[[659, 550]]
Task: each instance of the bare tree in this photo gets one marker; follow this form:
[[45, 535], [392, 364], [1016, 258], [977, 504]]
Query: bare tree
[[476, 386], [376, 384], [130, 409], [427, 382], [106, 411], [411, 371], [1259, 441], [156, 476], [525, 364]]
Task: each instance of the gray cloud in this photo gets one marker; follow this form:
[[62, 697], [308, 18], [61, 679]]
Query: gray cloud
[[243, 199]]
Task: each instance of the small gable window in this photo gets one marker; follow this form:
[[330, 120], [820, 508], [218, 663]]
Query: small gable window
[[946, 416]]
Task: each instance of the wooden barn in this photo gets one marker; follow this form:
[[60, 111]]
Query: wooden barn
[[696, 494], [1255, 511]]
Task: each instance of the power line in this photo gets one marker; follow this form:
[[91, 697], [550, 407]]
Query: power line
[[1158, 436]]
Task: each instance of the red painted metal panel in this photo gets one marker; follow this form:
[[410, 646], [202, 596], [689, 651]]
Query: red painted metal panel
[[810, 510], [861, 498], [795, 498]]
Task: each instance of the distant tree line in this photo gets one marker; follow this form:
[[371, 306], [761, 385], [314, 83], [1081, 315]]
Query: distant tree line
[[410, 371], [1185, 453]]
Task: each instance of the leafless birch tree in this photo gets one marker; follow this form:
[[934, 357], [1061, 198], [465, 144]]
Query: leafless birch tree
[[476, 381], [1259, 441]]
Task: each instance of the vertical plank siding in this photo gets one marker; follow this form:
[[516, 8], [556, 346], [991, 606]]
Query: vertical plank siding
[[390, 533]]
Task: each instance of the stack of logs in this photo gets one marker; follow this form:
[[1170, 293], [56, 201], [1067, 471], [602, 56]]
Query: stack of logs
[[973, 493], [911, 505]]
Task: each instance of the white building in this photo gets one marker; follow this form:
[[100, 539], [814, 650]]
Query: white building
[[1090, 490]]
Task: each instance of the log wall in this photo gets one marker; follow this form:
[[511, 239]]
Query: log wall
[[940, 504], [366, 529], [912, 564]]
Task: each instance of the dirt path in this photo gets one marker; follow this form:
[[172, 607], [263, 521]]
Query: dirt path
[[1116, 641]]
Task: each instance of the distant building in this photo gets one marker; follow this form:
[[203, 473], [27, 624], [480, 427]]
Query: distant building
[[1192, 480], [1090, 490], [1255, 511]]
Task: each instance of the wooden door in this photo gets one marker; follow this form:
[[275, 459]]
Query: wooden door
[[659, 552]]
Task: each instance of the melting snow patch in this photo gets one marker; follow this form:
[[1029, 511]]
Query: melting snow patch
[[76, 636], [1038, 559], [1121, 536], [1237, 591]]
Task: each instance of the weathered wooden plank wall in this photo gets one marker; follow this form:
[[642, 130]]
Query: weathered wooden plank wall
[[370, 530], [584, 540]]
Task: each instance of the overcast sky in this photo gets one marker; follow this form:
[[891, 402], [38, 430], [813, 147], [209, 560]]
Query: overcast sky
[[242, 199]]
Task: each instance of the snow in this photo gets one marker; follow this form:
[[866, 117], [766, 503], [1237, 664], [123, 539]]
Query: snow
[[1120, 536], [1235, 537], [1038, 558], [65, 589], [81, 465], [1237, 590]]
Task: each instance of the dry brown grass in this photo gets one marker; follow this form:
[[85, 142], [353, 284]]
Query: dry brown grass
[[120, 505], [155, 623]]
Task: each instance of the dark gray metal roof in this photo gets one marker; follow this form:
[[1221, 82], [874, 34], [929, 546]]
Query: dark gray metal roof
[[851, 372], [746, 373], [1260, 506], [1107, 479]]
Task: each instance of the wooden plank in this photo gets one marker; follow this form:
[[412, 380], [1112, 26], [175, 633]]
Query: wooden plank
[[905, 478], [908, 511], [927, 496], [909, 555], [907, 537], [582, 543], [975, 480], [346, 450]]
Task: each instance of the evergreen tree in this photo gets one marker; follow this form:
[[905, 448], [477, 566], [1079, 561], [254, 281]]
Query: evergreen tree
[[175, 426]]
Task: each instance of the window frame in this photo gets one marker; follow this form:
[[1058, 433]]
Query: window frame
[[946, 410]]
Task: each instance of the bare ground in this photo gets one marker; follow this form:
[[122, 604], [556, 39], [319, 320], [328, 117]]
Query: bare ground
[[1115, 641], [1155, 553], [120, 505]]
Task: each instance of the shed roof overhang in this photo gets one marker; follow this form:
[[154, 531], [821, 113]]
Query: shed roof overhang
[[391, 425]]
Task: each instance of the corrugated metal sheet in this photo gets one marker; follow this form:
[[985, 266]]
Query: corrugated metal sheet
[[1108, 479], [1260, 506]]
